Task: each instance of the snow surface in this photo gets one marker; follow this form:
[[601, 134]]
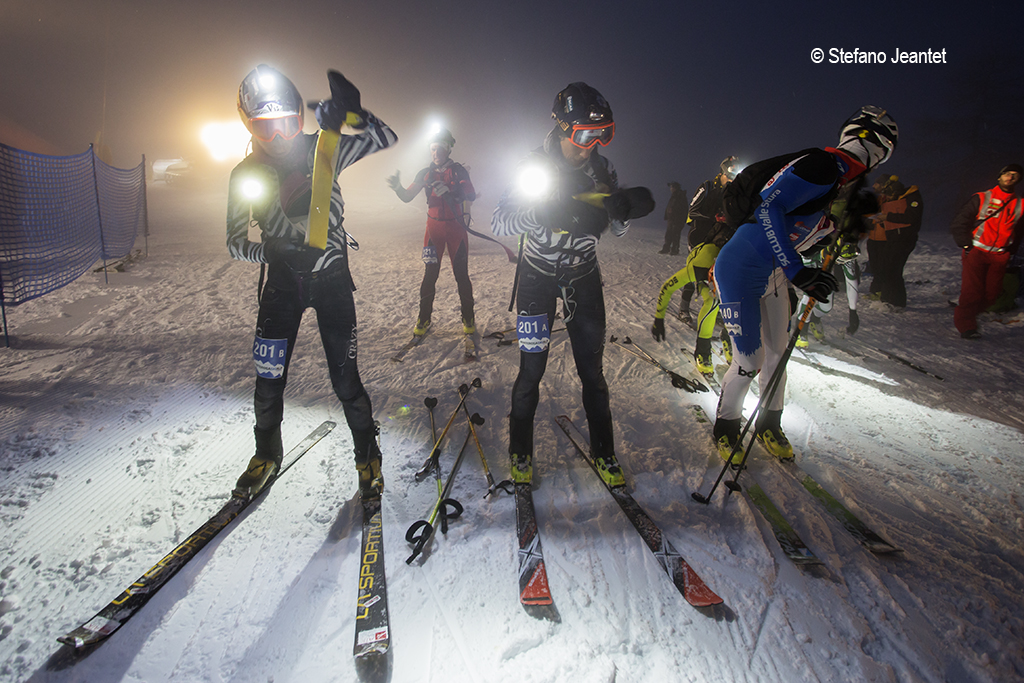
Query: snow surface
[[126, 417]]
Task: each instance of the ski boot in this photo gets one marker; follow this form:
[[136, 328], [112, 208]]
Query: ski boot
[[769, 433], [468, 324], [521, 468], [727, 346], [421, 327], [702, 355], [609, 471], [368, 457], [817, 329], [727, 439], [263, 466]]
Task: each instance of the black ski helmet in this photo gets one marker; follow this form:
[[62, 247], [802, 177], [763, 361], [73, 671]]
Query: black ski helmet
[[579, 104], [267, 93], [870, 135]]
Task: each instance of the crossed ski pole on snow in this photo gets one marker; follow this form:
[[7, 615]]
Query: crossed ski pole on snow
[[446, 508], [764, 399], [678, 381]]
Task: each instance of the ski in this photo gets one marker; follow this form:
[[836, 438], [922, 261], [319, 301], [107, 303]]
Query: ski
[[709, 377], [469, 353], [373, 634], [534, 592], [686, 580], [789, 540], [853, 525], [416, 340], [131, 600]]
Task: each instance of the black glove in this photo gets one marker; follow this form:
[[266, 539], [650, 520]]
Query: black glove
[[331, 114], [298, 257], [658, 329], [968, 247], [815, 283], [633, 202], [572, 216], [861, 204], [854, 322]]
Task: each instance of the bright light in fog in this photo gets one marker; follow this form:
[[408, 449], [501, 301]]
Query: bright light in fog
[[225, 141], [533, 182], [435, 128], [252, 189]]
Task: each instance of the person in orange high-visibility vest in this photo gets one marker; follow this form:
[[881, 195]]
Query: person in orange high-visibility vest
[[988, 230]]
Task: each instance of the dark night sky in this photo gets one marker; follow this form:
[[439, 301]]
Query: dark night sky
[[689, 83]]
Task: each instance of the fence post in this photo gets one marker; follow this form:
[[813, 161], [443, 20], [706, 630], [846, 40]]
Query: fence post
[[145, 206], [3, 309], [99, 214]]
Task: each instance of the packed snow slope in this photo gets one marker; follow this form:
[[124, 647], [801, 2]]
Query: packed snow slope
[[125, 417]]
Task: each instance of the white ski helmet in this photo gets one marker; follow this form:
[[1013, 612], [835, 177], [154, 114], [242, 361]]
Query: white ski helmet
[[266, 93], [870, 135]]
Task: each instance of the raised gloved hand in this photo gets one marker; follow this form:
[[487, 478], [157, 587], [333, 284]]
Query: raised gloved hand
[[298, 257], [572, 216], [394, 181], [439, 188], [854, 322], [816, 283], [658, 330], [332, 114], [630, 203]]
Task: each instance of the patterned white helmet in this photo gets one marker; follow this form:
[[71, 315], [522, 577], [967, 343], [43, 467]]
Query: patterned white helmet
[[870, 135]]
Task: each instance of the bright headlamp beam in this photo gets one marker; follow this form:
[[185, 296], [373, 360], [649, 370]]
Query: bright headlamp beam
[[533, 182], [252, 189]]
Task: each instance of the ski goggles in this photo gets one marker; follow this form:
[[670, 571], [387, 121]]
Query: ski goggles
[[588, 135], [286, 127]]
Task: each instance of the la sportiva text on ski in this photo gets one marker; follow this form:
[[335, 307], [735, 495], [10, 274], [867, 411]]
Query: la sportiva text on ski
[[131, 600], [373, 629], [686, 580]]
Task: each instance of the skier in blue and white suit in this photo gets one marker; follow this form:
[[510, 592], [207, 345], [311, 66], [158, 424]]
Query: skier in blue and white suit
[[565, 196], [755, 268]]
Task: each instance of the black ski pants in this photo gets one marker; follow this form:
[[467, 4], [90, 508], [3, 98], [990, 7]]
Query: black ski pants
[[286, 296], [583, 311], [460, 268]]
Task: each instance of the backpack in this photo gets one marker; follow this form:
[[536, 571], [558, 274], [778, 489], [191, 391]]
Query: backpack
[[743, 195]]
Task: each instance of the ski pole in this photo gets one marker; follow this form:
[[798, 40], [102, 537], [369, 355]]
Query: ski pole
[[678, 381], [506, 485], [763, 400], [464, 391], [420, 532]]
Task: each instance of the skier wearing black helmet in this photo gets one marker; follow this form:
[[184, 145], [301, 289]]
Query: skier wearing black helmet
[[271, 188], [449, 193], [565, 196], [788, 217]]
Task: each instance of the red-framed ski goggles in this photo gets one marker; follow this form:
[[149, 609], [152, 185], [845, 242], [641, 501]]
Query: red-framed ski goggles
[[588, 135], [286, 127]]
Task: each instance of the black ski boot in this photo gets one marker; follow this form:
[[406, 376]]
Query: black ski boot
[[368, 457], [264, 465]]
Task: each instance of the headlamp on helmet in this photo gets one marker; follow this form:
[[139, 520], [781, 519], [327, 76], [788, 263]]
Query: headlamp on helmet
[[270, 105]]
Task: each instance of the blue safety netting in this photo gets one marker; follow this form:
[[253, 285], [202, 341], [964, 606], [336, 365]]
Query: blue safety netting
[[59, 215]]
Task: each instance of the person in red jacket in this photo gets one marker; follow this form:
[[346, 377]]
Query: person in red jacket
[[449, 193], [988, 229]]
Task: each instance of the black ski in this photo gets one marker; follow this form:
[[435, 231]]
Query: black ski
[[131, 600], [534, 592], [686, 580], [373, 633], [416, 340]]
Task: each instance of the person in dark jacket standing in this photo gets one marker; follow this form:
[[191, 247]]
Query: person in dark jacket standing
[[272, 188], [449, 193], [565, 197], [676, 213], [988, 230], [900, 213]]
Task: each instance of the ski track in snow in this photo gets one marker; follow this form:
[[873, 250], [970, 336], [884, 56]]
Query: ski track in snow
[[126, 416]]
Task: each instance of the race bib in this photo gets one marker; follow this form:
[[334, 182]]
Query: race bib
[[533, 332], [429, 254], [729, 314], [269, 356]]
